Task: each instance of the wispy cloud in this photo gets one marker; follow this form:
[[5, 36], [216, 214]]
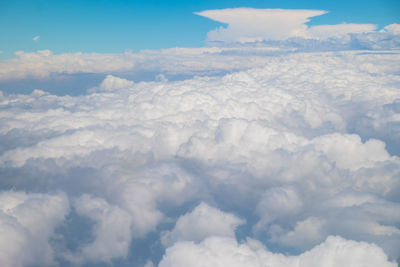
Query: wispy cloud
[[36, 38]]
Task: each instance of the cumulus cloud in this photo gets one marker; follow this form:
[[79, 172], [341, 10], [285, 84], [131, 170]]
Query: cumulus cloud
[[255, 25], [112, 83], [392, 28], [112, 229], [249, 24], [217, 251], [180, 63], [202, 222], [300, 147], [27, 221]]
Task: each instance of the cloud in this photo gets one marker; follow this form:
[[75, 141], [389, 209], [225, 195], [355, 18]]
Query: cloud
[[180, 63], [256, 25], [217, 251], [329, 31], [36, 38], [111, 83], [392, 28], [42, 63], [202, 222], [298, 148], [112, 230], [249, 24], [27, 221]]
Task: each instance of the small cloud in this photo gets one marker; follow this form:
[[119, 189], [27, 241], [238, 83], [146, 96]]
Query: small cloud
[[36, 38]]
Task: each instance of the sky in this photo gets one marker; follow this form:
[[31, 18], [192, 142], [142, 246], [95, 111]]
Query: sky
[[116, 26], [204, 133]]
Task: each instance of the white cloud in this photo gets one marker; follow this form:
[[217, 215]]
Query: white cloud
[[350, 153], [36, 38], [217, 251], [327, 31], [189, 62], [44, 62], [249, 24], [255, 25], [27, 221], [202, 222], [392, 28], [112, 230], [295, 147], [111, 83]]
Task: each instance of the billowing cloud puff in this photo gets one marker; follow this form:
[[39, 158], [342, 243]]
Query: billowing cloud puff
[[217, 251], [303, 147], [111, 83], [27, 221], [202, 222], [112, 229]]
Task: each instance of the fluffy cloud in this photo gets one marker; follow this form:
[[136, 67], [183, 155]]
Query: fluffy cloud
[[112, 229], [42, 63], [392, 28], [202, 222], [179, 63], [301, 148], [217, 251], [255, 25], [27, 221], [249, 25]]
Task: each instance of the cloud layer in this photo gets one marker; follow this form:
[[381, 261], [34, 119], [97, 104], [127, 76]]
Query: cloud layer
[[291, 162]]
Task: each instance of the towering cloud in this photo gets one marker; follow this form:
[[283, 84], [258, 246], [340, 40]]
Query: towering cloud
[[256, 25], [248, 24]]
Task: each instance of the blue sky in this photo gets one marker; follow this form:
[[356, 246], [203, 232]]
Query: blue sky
[[115, 26]]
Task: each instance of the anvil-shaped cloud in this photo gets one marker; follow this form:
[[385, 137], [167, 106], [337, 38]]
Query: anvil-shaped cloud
[[251, 25]]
